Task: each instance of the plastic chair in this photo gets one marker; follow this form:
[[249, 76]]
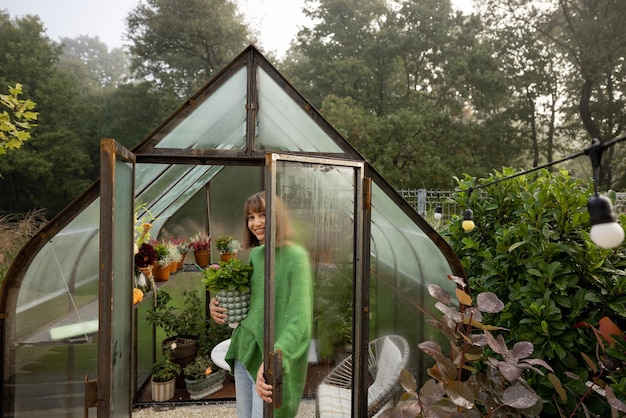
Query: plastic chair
[[387, 357]]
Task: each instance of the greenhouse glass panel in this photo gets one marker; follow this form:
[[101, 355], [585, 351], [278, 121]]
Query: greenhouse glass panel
[[404, 262], [284, 126], [216, 121], [122, 282]]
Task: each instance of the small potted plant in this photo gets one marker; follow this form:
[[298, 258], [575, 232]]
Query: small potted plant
[[183, 248], [164, 373], [229, 282], [173, 255], [228, 247], [200, 244], [202, 378], [160, 269], [182, 326]]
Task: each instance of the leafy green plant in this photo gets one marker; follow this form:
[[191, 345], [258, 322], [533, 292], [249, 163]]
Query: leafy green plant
[[185, 321], [227, 275], [531, 247], [199, 368], [164, 369], [480, 375], [227, 244]]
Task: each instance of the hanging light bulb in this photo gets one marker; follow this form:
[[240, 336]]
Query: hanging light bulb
[[468, 220], [438, 212], [605, 232]]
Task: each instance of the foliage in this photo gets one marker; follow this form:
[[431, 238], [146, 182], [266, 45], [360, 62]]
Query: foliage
[[181, 45], [579, 36], [187, 320], [160, 247], [227, 244], [15, 231], [333, 310], [200, 242], [227, 275], [199, 368], [165, 369], [16, 120], [212, 337], [480, 376], [143, 224], [531, 247]]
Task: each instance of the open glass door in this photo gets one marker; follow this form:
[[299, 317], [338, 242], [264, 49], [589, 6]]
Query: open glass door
[[327, 205], [117, 176]]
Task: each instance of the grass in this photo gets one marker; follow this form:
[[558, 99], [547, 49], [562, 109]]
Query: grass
[[15, 231]]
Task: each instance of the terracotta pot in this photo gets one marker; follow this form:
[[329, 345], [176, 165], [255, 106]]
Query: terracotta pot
[[180, 265], [161, 274], [163, 391], [227, 256], [173, 267], [202, 258]]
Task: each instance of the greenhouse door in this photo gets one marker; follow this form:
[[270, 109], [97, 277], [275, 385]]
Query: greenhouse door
[[115, 345], [328, 206]]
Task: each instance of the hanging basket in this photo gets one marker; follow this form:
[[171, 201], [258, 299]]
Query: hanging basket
[[237, 304]]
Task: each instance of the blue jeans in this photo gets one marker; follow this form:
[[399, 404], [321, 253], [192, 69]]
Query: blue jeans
[[249, 404]]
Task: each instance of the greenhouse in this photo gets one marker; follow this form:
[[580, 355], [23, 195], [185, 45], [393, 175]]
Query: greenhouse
[[75, 343]]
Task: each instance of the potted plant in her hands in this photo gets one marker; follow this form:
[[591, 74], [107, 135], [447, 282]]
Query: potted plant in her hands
[[182, 326], [202, 378], [200, 244], [229, 282], [164, 373], [228, 246]]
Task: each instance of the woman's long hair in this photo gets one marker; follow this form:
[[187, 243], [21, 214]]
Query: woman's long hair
[[256, 204]]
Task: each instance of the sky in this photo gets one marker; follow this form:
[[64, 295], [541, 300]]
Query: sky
[[277, 21]]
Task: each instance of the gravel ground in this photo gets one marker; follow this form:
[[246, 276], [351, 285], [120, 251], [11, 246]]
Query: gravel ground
[[307, 410]]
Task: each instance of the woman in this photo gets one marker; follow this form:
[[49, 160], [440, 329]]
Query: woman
[[293, 316]]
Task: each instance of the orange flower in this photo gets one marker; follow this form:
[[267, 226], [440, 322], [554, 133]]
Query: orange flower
[[208, 371]]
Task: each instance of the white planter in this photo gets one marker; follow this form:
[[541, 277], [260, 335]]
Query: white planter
[[163, 391]]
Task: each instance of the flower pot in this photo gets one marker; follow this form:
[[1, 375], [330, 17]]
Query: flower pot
[[180, 265], [202, 258], [202, 388], [173, 266], [160, 273], [185, 352], [237, 304], [227, 256], [163, 391]]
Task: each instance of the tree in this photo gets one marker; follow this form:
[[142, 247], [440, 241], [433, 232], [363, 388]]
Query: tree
[[91, 60], [180, 45], [432, 90], [581, 35], [15, 123]]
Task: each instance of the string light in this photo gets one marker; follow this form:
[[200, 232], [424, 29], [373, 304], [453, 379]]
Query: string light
[[605, 231]]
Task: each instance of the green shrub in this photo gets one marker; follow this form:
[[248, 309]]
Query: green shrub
[[531, 247]]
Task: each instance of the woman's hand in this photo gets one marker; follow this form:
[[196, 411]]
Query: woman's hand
[[217, 313], [263, 389]]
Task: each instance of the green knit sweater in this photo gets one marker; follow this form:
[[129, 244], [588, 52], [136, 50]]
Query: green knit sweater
[[293, 289]]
